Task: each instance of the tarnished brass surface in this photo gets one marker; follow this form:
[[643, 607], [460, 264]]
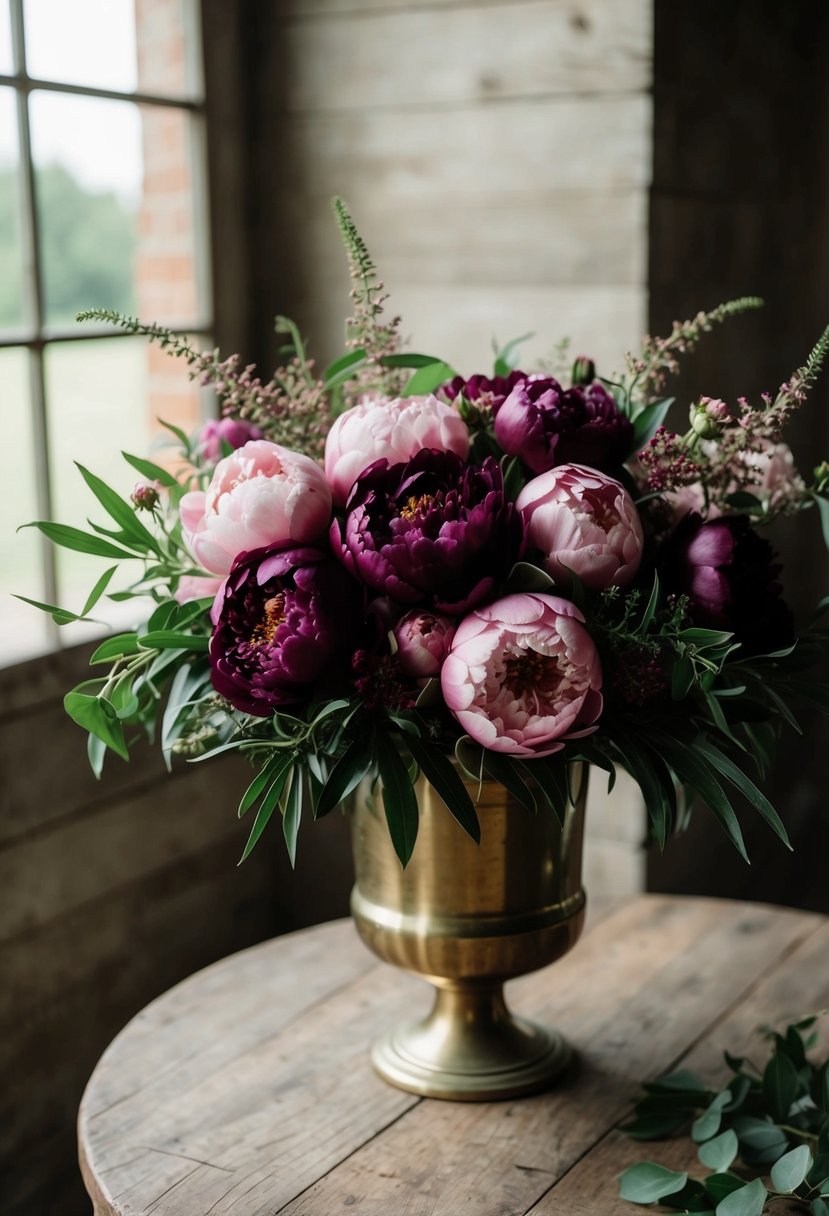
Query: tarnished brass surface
[[468, 917]]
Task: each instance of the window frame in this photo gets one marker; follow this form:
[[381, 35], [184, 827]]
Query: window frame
[[35, 336]]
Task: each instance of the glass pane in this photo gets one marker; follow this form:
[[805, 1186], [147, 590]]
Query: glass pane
[[25, 630], [148, 45], [11, 255], [104, 397], [6, 60], [115, 202], [90, 42]]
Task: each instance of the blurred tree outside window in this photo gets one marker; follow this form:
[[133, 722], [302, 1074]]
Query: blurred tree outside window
[[102, 183]]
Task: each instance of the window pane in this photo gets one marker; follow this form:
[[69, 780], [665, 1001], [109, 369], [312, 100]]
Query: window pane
[[11, 253], [104, 398], [24, 629], [89, 42], [6, 63], [115, 203]]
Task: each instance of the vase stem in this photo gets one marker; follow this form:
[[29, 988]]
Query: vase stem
[[470, 1047]]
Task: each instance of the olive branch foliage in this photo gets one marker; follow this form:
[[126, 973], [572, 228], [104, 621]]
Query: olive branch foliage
[[774, 1118], [710, 739]]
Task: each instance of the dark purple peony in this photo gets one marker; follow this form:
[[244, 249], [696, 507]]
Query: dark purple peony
[[729, 574], [284, 618], [430, 531], [547, 425], [482, 391]]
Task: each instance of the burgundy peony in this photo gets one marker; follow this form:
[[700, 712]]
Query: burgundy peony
[[430, 531], [482, 391], [547, 425], [283, 619], [729, 574]]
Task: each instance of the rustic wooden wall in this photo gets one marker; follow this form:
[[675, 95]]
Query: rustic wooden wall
[[110, 893], [739, 206]]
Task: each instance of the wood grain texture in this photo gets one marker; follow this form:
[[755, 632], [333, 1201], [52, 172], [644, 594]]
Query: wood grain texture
[[537, 48], [247, 1090]]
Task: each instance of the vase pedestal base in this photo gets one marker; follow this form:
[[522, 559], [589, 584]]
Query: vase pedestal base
[[471, 1049]]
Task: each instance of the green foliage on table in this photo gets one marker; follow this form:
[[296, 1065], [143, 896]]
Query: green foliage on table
[[775, 1118]]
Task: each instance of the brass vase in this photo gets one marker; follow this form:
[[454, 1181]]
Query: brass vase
[[468, 917]]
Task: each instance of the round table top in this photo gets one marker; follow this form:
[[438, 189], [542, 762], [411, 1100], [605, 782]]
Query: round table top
[[247, 1089]]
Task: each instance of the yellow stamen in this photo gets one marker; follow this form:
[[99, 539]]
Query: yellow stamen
[[416, 506], [265, 631]]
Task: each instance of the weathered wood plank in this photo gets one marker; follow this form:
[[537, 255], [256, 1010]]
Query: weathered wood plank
[[56, 871], [265, 1121], [536, 48], [797, 985], [631, 1006], [473, 156]]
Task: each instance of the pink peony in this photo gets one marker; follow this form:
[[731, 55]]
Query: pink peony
[[396, 429], [423, 639], [583, 522], [523, 675], [233, 431], [260, 495], [195, 587]]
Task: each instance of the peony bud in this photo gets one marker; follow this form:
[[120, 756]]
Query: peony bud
[[584, 370], [146, 495]]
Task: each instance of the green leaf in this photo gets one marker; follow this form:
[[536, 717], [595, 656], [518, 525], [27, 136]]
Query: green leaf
[[650, 607], [120, 511], [820, 1088], [506, 359], [694, 771], [656, 1126], [749, 1200], [267, 806], [780, 1085], [449, 787], [791, 1169], [648, 421], [524, 576], [168, 639], [293, 814], [99, 717], [96, 750], [148, 469], [343, 369], [719, 1186], [116, 647], [507, 774], [427, 379], [692, 1198], [681, 1080], [819, 1207], [739, 1088], [399, 798], [61, 616], [647, 1182], [413, 360], [708, 1123], [719, 1153], [79, 541], [746, 787], [346, 775], [98, 590], [760, 1139], [823, 510], [257, 787]]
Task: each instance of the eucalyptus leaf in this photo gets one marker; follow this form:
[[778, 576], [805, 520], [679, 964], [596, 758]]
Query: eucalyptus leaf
[[720, 1152], [791, 1169], [719, 1186], [780, 1084], [749, 1200], [708, 1123], [819, 1207], [647, 1182]]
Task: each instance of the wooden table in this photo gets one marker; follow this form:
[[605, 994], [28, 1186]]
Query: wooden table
[[246, 1090]]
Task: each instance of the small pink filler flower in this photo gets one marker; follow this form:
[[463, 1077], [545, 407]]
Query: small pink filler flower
[[262, 494], [585, 522], [523, 675], [397, 429]]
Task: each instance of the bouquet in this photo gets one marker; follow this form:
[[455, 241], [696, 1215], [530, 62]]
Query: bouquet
[[391, 569]]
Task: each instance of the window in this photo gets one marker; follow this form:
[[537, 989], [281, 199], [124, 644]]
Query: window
[[102, 204]]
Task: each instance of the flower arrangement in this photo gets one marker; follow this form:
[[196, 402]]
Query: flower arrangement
[[387, 567]]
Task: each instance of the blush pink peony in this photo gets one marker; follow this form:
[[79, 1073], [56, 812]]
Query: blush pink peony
[[395, 429], [261, 494], [423, 639], [523, 675], [583, 522]]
